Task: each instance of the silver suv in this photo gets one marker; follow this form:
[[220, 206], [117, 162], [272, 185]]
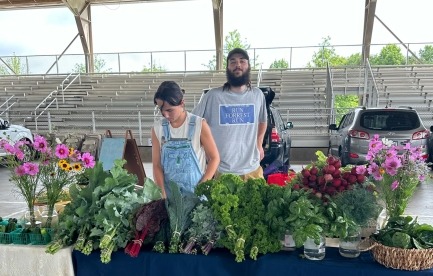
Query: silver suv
[[350, 139]]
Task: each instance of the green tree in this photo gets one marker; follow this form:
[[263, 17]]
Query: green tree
[[425, 54], [343, 103], [354, 59], [279, 64], [233, 40], [98, 64], [326, 55], [14, 63], [154, 68], [389, 55]]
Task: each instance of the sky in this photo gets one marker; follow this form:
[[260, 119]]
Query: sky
[[188, 25]]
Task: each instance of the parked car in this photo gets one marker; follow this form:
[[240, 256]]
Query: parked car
[[277, 141], [13, 133], [350, 139]]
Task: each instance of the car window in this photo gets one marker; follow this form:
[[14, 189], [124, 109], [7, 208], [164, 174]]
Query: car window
[[346, 120], [389, 120]]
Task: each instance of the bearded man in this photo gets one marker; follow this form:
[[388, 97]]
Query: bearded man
[[237, 116]]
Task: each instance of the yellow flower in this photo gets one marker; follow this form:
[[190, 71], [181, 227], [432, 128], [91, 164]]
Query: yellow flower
[[77, 166], [65, 165]]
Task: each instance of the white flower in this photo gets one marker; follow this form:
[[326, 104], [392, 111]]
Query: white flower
[[387, 142], [58, 141]]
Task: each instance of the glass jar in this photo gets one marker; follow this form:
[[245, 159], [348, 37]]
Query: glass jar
[[349, 246], [288, 242], [37, 217], [313, 251], [45, 216]]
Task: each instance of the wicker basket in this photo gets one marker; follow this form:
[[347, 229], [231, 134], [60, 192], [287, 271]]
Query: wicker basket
[[405, 259]]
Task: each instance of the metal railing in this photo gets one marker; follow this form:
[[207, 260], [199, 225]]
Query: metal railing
[[62, 85], [7, 106], [189, 60]]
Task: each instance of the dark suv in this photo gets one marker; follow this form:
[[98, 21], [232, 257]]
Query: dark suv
[[350, 140], [277, 141]]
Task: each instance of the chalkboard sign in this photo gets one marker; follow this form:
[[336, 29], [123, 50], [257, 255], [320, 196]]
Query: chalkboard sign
[[111, 149]]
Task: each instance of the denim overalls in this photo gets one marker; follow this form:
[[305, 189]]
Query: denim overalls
[[179, 160]]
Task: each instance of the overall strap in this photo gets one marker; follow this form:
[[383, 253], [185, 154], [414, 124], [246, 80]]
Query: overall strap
[[191, 126], [166, 136]]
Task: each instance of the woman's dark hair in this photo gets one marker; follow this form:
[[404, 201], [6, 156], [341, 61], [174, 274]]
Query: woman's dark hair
[[169, 92]]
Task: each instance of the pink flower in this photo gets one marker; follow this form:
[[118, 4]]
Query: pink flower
[[20, 170], [375, 146], [40, 144], [19, 154], [62, 151], [31, 168], [394, 185], [75, 156], [374, 170], [360, 169], [88, 160], [9, 148], [391, 165]]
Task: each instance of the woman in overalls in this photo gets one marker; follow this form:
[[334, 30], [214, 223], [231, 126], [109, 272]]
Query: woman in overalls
[[183, 149]]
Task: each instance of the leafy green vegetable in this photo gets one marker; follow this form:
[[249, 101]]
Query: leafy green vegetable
[[179, 206], [240, 209], [100, 214], [405, 232]]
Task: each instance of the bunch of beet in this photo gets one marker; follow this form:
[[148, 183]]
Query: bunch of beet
[[329, 179]]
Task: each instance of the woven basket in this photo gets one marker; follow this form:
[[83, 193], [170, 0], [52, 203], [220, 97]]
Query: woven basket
[[405, 259]]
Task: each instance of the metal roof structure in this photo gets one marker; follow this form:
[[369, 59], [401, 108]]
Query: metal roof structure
[[82, 13]]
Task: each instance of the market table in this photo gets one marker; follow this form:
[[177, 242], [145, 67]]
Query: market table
[[22, 260], [222, 263]]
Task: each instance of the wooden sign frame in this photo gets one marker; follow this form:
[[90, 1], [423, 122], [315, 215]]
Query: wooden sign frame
[[122, 148], [133, 159]]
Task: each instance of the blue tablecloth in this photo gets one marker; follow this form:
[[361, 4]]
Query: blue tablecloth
[[221, 263]]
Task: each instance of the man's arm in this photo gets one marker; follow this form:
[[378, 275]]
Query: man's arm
[[260, 136]]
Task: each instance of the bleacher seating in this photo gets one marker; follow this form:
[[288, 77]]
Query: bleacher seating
[[121, 102]]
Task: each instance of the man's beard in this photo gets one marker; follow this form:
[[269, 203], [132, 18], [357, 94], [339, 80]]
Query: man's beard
[[243, 79]]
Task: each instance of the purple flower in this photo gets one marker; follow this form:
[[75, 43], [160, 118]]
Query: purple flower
[[19, 154], [374, 170], [20, 170], [62, 151], [391, 165], [9, 148], [40, 144], [31, 168], [88, 160], [360, 169], [394, 185]]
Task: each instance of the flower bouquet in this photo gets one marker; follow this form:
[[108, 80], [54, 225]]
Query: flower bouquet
[[42, 168], [402, 243], [396, 171]]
